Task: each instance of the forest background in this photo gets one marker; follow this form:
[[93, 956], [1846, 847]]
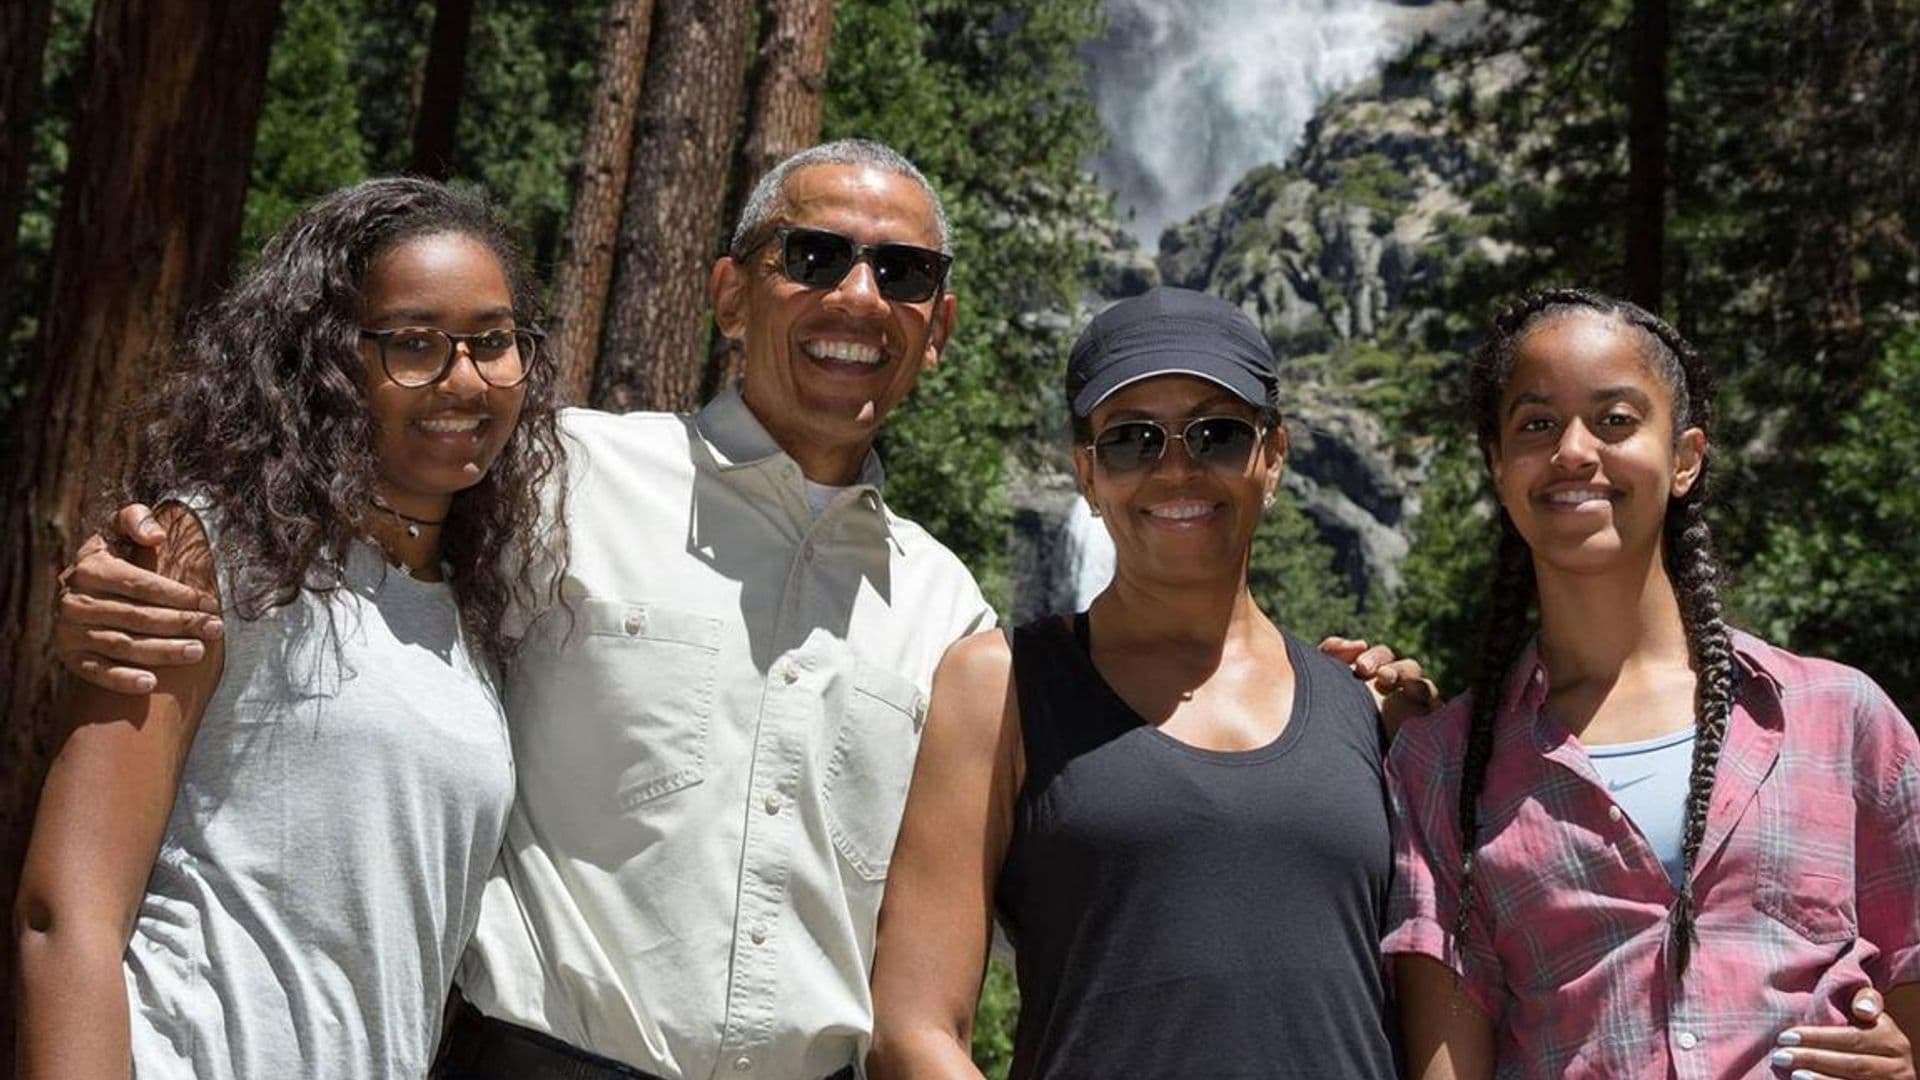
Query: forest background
[[1746, 167]]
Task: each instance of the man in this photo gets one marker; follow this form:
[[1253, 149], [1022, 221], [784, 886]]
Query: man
[[713, 736]]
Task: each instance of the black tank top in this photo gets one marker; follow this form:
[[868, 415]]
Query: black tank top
[[1182, 912]]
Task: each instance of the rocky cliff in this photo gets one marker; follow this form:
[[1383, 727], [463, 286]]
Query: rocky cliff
[[1335, 254]]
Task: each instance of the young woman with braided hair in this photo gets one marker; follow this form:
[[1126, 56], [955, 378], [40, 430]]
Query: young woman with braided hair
[[1646, 843]]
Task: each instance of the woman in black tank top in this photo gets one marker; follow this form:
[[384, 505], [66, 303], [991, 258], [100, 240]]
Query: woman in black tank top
[[1173, 807]]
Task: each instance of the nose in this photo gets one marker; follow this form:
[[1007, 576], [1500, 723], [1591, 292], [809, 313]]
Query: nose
[[858, 293], [463, 375], [1577, 448]]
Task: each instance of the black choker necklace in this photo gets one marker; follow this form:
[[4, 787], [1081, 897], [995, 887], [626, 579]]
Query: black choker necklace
[[413, 523]]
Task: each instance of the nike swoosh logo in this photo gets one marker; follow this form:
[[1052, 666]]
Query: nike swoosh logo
[[1625, 784]]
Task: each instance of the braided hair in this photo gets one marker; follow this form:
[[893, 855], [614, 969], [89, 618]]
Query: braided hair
[[1689, 561]]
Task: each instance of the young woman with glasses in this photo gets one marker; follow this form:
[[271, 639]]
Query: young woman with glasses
[[1171, 805], [270, 865]]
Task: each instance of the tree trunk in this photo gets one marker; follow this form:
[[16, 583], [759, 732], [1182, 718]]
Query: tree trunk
[[586, 252], [789, 85], [23, 45], [1647, 124], [148, 223], [438, 115], [654, 351]]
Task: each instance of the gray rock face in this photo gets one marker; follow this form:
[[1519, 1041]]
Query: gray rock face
[[1330, 254]]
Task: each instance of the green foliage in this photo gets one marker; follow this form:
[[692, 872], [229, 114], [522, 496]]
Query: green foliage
[[1438, 613], [1291, 574], [993, 1021], [1838, 579], [990, 100], [308, 142]]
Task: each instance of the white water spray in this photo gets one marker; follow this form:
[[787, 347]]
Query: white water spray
[[1194, 93]]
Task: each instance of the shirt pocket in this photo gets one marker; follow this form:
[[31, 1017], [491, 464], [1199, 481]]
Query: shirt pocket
[[1806, 877], [657, 672], [865, 785]]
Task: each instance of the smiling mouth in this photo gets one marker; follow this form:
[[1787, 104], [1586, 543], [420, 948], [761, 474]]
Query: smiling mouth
[[1186, 510], [1578, 497], [451, 425], [845, 352]]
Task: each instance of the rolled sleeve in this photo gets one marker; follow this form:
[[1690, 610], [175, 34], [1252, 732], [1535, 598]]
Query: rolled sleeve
[[1887, 768], [1423, 786]]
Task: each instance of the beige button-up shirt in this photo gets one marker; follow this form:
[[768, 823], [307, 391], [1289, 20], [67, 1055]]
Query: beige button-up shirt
[[713, 751]]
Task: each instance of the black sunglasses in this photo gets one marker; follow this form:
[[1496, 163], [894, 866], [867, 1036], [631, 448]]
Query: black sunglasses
[[1220, 442], [819, 259]]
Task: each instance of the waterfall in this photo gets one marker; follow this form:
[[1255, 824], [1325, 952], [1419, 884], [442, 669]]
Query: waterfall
[[1194, 93]]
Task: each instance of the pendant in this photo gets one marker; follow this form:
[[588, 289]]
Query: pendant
[[413, 530]]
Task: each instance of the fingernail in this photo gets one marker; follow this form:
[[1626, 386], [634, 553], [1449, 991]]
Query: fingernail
[[215, 628], [193, 650], [1782, 1058], [1867, 1007], [1788, 1038], [143, 683], [1802, 1074]]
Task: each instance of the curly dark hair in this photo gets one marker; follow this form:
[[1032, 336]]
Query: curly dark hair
[[262, 415], [1689, 561]]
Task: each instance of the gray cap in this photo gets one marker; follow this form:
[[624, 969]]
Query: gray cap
[[1169, 331]]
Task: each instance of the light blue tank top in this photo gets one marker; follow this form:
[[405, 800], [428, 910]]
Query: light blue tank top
[[321, 872], [1648, 780]]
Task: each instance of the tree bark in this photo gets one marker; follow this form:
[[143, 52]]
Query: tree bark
[[148, 223], [438, 116], [789, 85], [586, 252], [654, 350], [1647, 124], [23, 46]]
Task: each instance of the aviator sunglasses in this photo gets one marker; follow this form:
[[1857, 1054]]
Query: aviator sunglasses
[[1220, 442], [819, 259]]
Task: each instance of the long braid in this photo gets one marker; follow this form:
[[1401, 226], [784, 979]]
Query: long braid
[[1695, 573], [1508, 624]]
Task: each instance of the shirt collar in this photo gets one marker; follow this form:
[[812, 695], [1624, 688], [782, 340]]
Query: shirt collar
[[1526, 688], [738, 441]]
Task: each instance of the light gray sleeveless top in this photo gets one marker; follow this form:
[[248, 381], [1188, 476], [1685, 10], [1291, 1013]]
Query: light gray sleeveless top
[[322, 867]]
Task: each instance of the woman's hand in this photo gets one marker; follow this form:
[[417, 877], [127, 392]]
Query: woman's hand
[[1873, 1049]]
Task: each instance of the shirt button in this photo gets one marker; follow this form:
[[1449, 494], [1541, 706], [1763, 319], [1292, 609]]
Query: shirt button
[[634, 623], [742, 1063], [759, 935], [1687, 1040], [789, 675], [1613, 813], [772, 804]]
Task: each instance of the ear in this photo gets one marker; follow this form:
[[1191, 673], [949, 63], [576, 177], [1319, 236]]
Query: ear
[[1689, 458], [1083, 471], [1278, 443], [727, 291], [939, 329]]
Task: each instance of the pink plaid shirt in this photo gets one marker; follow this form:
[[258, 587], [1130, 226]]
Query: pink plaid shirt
[[1807, 885]]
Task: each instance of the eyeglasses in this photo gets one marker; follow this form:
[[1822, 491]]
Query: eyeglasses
[[1220, 442], [820, 259], [416, 356]]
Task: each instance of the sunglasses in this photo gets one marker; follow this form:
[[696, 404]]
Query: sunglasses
[[1219, 442], [819, 259]]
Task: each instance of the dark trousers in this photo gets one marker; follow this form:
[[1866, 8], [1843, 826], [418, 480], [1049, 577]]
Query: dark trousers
[[478, 1047]]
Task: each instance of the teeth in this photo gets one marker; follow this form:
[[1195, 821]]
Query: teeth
[[847, 352], [455, 425], [1577, 496], [1182, 511]]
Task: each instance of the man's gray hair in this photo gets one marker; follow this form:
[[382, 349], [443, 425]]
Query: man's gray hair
[[768, 198]]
